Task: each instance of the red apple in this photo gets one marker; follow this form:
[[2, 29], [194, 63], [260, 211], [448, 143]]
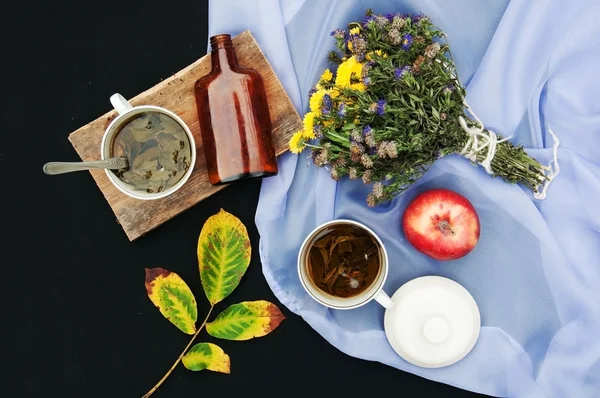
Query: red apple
[[442, 224]]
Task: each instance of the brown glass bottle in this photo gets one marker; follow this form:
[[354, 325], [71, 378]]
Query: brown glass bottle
[[234, 118]]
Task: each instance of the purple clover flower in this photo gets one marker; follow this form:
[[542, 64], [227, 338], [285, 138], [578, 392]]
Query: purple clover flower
[[366, 130], [449, 88], [366, 81], [317, 130], [381, 21], [400, 72], [338, 34], [327, 102], [380, 108], [368, 19], [342, 110], [359, 45], [406, 41], [311, 92], [390, 16], [370, 140], [314, 155], [418, 17]]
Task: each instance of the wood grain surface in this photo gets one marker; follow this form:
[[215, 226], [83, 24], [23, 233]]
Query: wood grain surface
[[176, 93]]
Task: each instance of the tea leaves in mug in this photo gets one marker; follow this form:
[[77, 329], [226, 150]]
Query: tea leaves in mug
[[223, 255], [158, 151], [322, 242], [344, 262], [246, 320], [173, 297]]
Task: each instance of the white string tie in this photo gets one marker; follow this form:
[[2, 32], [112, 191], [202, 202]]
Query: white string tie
[[553, 169], [479, 140]]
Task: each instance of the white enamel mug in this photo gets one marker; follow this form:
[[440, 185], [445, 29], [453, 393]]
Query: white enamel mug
[[126, 112], [373, 292]]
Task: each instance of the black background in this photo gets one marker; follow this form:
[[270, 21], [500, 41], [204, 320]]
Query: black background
[[79, 321]]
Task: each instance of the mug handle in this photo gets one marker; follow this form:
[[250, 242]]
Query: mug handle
[[120, 103], [382, 298]]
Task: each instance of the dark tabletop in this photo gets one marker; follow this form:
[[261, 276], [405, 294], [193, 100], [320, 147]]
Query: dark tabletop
[[79, 320]]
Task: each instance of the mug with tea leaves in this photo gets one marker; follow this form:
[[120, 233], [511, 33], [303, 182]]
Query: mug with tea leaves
[[158, 144], [429, 321], [343, 265], [148, 152]]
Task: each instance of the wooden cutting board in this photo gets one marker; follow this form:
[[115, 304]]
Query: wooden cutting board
[[176, 93]]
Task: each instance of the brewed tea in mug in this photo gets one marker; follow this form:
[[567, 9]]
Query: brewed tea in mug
[[344, 261]]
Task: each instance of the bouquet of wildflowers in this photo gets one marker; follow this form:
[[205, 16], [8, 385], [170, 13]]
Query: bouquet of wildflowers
[[394, 106]]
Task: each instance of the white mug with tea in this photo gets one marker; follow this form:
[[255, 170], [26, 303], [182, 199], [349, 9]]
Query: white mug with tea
[[360, 281], [158, 145], [147, 151], [430, 321]]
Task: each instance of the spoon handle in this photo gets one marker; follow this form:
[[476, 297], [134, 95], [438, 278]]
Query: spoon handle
[[67, 167]]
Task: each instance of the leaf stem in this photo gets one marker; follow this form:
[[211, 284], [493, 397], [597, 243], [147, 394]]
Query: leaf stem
[[149, 393]]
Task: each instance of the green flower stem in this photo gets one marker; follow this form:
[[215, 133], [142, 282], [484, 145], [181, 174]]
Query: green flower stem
[[339, 139], [313, 146], [161, 381], [515, 166]]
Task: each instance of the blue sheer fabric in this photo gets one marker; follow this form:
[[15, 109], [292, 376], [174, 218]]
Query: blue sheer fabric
[[528, 67]]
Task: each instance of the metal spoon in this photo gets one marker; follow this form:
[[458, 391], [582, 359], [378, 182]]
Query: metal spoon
[[67, 167]]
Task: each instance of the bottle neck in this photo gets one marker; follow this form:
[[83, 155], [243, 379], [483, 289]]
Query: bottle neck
[[223, 54]]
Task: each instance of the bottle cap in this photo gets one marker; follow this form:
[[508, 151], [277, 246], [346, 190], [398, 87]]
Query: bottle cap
[[220, 41], [434, 322]]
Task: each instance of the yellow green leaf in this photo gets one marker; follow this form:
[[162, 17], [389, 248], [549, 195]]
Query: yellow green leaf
[[173, 297], [223, 255], [246, 320], [207, 356]]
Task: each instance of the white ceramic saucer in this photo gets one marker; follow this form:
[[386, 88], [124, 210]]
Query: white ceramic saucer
[[433, 323]]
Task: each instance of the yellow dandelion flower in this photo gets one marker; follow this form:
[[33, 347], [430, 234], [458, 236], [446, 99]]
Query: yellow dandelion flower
[[297, 143], [349, 71], [316, 100], [358, 87], [350, 47], [327, 76], [344, 72], [309, 126], [378, 52], [355, 30]]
